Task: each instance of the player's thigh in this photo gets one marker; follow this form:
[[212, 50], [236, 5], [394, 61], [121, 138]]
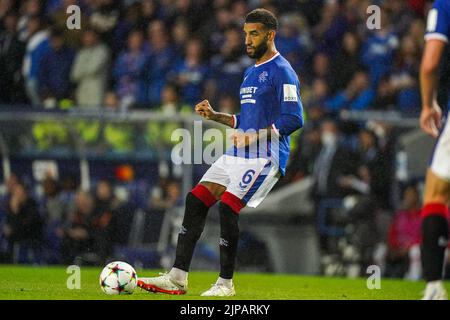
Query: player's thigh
[[437, 189], [437, 185], [216, 189], [247, 176], [216, 178]]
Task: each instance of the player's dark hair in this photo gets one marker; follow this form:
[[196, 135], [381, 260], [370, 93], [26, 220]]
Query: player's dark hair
[[263, 16]]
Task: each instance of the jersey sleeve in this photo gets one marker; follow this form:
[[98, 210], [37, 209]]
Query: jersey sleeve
[[287, 88], [438, 21]]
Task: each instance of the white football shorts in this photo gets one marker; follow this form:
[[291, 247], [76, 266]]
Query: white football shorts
[[440, 163], [248, 179]]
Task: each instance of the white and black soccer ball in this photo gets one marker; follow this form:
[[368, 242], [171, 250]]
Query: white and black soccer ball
[[118, 277]]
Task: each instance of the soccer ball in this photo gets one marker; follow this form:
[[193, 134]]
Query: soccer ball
[[118, 278]]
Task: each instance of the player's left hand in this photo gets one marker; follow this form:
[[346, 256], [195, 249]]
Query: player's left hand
[[430, 120], [242, 139]]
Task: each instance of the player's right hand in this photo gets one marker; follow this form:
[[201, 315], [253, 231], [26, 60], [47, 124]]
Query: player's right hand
[[205, 110], [430, 120]]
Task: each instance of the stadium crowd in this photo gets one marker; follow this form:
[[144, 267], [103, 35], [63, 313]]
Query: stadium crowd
[[127, 52], [166, 55]]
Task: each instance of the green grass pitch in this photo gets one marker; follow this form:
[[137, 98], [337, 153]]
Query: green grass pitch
[[47, 283]]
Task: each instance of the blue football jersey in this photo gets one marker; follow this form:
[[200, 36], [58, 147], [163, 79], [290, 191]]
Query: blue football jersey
[[438, 21], [270, 97], [438, 27]]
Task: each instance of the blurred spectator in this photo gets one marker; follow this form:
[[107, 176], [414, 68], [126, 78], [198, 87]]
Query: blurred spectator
[[229, 66], [37, 46], [127, 23], [400, 15], [302, 164], [191, 72], [149, 12], [23, 228], [112, 101], [180, 35], [90, 70], [358, 95], [54, 71], [346, 63], [72, 37], [214, 29], [104, 18], [6, 7], [288, 40], [158, 64], [160, 133], [385, 98], [54, 213], [228, 104], [54, 209], [374, 166], [329, 31], [165, 195], [403, 255], [127, 69], [321, 67], [106, 206], [29, 9], [404, 78], [12, 51], [320, 94], [76, 233], [379, 49], [333, 162]]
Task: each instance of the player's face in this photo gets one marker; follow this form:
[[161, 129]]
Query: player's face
[[256, 39]]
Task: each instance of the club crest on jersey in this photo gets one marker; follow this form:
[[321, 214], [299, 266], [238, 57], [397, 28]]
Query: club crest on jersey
[[263, 77]]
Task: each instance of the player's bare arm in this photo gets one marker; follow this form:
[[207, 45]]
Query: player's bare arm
[[430, 118], [205, 110], [241, 139]]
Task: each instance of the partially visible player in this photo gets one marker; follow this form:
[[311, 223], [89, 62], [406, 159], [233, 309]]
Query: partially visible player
[[437, 185], [270, 101]]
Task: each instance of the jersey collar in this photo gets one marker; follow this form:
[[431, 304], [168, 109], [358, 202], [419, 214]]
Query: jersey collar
[[276, 55]]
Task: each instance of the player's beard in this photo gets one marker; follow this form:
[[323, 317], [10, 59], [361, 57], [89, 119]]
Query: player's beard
[[259, 51]]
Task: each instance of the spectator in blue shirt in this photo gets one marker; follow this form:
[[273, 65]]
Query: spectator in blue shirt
[[329, 31], [378, 51], [191, 72], [54, 70], [405, 77], [157, 66], [37, 46], [127, 69], [288, 42], [358, 95], [230, 64]]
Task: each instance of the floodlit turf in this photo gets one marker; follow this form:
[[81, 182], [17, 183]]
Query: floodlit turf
[[50, 283]]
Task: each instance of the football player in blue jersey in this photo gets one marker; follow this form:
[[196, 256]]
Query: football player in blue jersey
[[437, 185], [271, 110]]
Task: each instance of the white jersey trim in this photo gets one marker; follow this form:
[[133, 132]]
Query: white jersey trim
[[436, 36], [276, 55]]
